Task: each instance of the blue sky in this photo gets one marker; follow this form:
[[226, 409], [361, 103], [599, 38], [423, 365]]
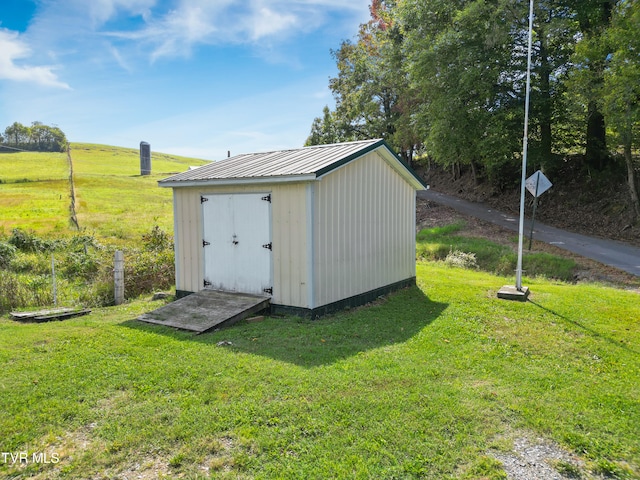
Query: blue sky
[[191, 77]]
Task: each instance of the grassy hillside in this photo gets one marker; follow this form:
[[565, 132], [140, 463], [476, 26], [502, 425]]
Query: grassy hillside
[[433, 382], [113, 202], [34, 191]]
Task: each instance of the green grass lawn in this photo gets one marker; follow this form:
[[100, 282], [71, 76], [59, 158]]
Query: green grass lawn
[[424, 383]]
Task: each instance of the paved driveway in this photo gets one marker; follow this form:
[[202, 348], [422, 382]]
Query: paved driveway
[[610, 252]]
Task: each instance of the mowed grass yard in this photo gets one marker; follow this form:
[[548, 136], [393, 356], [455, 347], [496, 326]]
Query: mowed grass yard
[[426, 383]]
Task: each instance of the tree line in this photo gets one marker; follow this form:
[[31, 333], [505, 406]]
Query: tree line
[[38, 137], [446, 79]]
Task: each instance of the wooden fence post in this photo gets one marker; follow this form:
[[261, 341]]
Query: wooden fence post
[[53, 278], [118, 277]]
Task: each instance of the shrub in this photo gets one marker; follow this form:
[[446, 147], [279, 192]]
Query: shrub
[[100, 293], [29, 242], [7, 253], [151, 269], [145, 272], [157, 240], [80, 265], [18, 292], [30, 263], [461, 259], [80, 243]]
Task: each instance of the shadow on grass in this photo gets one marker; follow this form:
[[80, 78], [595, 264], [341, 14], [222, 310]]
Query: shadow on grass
[[390, 320], [590, 331]]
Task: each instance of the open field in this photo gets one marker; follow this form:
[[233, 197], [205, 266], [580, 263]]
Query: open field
[[34, 191], [432, 382], [113, 202]]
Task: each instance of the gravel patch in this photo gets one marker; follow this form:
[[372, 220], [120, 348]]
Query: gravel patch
[[540, 460]]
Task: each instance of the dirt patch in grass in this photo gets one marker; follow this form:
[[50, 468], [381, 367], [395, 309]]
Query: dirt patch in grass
[[539, 459], [152, 468]]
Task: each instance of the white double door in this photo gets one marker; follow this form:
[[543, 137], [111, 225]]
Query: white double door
[[237, 242]]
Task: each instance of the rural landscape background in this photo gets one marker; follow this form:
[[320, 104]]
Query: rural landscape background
[[439, 381]]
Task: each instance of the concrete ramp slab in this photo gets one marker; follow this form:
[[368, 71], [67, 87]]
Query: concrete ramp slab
[[206, 310]]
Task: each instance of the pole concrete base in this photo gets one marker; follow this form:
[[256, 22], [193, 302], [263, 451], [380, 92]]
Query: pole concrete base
[[510, 292]]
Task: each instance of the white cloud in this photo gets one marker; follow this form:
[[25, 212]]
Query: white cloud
[[13, 48], [179, 30], [174, 33], [119, 59], [167, 29], [101, 11], [264, 22]]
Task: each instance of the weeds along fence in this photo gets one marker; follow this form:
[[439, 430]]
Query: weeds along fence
[[84, 270]]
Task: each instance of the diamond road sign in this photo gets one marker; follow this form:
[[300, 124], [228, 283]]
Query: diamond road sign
[[537, 184]]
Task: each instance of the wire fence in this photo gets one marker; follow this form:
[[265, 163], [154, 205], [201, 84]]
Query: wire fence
[[72, 192]]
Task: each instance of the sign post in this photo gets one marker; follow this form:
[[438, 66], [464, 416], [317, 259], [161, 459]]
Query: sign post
[[537, 184]]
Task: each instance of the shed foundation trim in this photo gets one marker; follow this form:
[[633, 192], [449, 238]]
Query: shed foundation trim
[[351, 302]]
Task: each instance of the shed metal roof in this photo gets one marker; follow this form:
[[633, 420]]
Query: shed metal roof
[[302, 164]]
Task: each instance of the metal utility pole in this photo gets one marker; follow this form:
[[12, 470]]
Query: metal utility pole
[[525, 141], [520, 293]]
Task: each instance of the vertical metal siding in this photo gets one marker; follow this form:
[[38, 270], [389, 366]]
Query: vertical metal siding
[[290, 245], [364, 235], [176, 241], [310, 226], [289, 237], [189, 241]]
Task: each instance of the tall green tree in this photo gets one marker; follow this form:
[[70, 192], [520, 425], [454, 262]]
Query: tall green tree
[[555, 30], [594, 18], [468, 59], [326, 129], [449, 75], [460, 55], [621, 93], [16, 134], [38, 136], [372, 93]]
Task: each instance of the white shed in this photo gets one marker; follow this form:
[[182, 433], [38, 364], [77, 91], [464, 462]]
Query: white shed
[[317, 228]]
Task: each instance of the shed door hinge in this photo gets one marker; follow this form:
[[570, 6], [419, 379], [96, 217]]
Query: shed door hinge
[[268, 246], [205, 243], [268, 290], [206, 283], [203, 199], [267, 198]]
